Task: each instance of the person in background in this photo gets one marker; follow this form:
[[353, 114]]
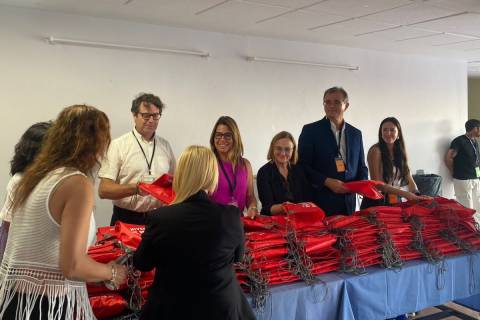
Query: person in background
[[192, 244], [463, 161], [45, 266], [25, 151], [331, 151], [387, 162], [137, 156], [235, 184], [281, 180]]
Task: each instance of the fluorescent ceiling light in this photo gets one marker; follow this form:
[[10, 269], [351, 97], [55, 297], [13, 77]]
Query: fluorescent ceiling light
[[52, 40]]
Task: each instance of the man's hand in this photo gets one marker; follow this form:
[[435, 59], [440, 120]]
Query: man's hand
[[336, 186]]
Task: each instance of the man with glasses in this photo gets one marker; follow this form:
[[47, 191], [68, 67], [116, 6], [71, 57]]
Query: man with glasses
[[463, 161], [331, 152], [137, 156]]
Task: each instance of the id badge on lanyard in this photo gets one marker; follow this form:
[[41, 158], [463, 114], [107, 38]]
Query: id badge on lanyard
[[340, 164], [392, 198]]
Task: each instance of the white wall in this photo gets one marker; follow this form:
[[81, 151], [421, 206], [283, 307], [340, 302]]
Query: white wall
[[428, 95]]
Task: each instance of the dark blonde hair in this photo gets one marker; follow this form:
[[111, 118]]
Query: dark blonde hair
[[79, 135], [236, 154], [283, 135], [197, 170]]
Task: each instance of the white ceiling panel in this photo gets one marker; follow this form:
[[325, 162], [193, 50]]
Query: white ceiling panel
[[436, 27], [288, 4], [433, 40], [355, 8], [350, 28], [412, 14], [466, 24], [467, 5], [299, 21], [396, 34], [236, 16]]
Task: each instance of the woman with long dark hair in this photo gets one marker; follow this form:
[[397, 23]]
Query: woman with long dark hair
[[45, 266], [25, 151], [387, 162]]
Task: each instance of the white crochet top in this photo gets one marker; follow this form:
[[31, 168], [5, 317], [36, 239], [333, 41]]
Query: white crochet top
[[30, 265]]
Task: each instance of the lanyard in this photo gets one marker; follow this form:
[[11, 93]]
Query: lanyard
[[149, 165], [474, 149], [231, 186], [339, 143]]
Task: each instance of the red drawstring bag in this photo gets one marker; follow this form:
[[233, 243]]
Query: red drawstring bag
[[263, 223], [305, 215], [262, 245], [160, 189], [366, 188], [260, 236], [129, 234], [108, 305]]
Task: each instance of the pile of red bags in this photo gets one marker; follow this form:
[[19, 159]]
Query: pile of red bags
[[287, 248], [395, 234], [114, 244], [442, 227], [357, 240]]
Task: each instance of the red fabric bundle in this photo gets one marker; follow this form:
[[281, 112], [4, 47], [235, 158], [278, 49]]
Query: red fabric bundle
[[108, 305], [161, 188], [305, 215], [365, 187], [129, 234]]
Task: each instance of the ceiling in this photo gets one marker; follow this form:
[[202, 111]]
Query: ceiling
[[446, 28]]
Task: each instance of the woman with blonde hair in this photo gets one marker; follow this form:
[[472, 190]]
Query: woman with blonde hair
[[281, 179], [235, 183], [192, 244], [45, 266]]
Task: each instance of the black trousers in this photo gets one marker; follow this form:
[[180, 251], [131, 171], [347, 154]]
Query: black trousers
[[128, 216]]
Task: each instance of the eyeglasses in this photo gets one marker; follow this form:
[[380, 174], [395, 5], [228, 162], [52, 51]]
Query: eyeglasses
[[282, 149], [146, 115], [227, 136], [336, 103]]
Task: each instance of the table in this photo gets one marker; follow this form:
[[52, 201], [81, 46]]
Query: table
[[378, 294]]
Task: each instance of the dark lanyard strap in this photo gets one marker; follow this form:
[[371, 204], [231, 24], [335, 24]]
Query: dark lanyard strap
[[339, 143], [231, 186], [149, 164], [475, 149]]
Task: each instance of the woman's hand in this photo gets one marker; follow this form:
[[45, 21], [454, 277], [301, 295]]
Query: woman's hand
[[119, 274], [414, 197], [252, 212]]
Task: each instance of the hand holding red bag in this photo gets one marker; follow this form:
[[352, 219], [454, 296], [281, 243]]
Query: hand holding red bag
[[160, 189], [366, 188]]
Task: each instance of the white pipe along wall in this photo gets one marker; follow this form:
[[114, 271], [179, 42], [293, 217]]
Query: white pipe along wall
[[428, 95]]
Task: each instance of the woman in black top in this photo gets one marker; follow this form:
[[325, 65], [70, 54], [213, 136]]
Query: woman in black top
[[192, 244], [281, 179]]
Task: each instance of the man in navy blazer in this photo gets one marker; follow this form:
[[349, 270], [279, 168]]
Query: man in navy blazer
[[331, 152]]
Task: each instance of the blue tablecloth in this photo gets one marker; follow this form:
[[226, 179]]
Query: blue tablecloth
[[378, 294]]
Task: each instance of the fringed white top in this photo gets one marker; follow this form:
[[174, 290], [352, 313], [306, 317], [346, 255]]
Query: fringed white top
[[30, 266]]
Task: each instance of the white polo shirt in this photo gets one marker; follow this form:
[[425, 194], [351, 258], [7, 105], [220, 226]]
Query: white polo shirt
[[125, 163]]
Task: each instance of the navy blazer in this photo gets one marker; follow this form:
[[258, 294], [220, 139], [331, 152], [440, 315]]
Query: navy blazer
[[317, 149]]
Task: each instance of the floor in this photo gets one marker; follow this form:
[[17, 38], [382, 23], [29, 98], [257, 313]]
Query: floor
[[448, 311]]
